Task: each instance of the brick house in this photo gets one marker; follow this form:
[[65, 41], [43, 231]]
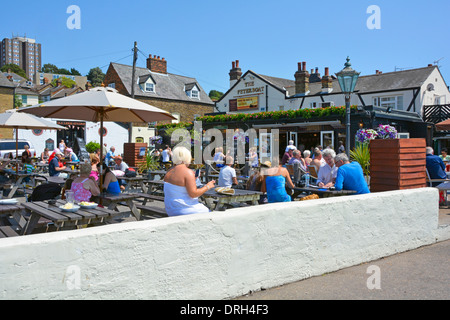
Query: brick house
[[6, 103], [182, 96]]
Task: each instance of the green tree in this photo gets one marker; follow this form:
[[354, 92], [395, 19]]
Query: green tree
[[215, 95], [17, 101], [74, 72], [14, 68], [69, 83], [49, 68], [92, 146], [64, 71], [96, 76]]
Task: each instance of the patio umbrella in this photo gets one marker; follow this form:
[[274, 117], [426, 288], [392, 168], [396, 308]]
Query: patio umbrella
[[443, 126], [98, 105], [17, 120]]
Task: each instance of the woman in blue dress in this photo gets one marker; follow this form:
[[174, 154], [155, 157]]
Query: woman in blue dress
[[274, 183]]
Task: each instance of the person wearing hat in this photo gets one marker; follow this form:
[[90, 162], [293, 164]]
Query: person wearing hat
[[255, 181], [54, 170], [70, 154]]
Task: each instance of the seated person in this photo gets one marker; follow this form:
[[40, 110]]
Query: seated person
[[227, 175], [253, 157], [444, 155], [255, 181], [110, 183], [317, 161], [297, 158], [95, 160], [54, 170], [350, 176], [84, 186], [218, 157], [109, 158], [45, 155], [26, 154], [274, 183], [435, 166], [327, 174], [180, 191], [287, 156], [122, 166], [70, 155]]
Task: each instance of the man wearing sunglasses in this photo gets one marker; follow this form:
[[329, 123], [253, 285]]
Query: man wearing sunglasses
[[350, 175]]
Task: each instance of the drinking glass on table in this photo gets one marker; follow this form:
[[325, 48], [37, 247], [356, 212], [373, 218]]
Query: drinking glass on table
[[69, 196]]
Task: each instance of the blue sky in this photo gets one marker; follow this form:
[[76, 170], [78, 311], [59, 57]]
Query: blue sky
[[201, 38]]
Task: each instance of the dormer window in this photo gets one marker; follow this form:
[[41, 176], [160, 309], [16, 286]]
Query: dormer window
[[149, 87], [192, 91], [146, 83]]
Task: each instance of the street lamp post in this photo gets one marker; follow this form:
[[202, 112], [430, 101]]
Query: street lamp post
[[347, 78]]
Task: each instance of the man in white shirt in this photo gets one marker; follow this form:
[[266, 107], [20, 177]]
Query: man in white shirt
[[227, 175], [166, 154], [328, 172]]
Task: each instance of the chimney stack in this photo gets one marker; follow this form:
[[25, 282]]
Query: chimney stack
[[327, 82], [315, 76], [235, 73], [301, 80], [156, 64]]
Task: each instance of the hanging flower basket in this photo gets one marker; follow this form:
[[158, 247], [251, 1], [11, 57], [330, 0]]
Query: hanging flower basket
[[156, 140], [386, 132], [365, 135]]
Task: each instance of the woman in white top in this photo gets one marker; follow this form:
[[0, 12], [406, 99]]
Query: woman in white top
[[180, 190]]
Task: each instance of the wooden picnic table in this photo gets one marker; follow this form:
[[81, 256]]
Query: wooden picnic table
[[42, 209], [217, 201], [18, 179], [154, 186], [152, 173], [114, 200], [132, 181], [322, 192]]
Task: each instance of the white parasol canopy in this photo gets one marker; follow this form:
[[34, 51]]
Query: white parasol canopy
[[17, 120], [98, 105]]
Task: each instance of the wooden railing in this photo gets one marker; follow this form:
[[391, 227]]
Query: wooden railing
[[436, 113]]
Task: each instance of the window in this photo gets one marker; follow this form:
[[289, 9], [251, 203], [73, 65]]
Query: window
[[194, 94], [395, 102], [149, 87], [327, 104], [112, 85], [24, 99]]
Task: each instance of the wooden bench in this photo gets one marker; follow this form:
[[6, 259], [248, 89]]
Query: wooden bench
[[152, 211], [150, 197], [7, 231]]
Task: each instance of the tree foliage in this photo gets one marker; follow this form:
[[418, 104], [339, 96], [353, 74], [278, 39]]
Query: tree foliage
[[14, 68], [96, 76], [69, 83], [215, 95], [51, 68]]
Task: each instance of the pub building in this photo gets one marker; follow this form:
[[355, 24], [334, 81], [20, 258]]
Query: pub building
[[310, 110]]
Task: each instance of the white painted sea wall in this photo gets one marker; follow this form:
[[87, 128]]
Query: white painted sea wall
[[217, 255]]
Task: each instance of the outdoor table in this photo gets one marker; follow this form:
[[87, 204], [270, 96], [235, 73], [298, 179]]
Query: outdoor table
[[40, 167], [41, 209], [152, 173], [70, 171], [240, 196], [7, 210], [154, 186], [134, 180], [241, 179], [55, 179], [322, 192], [17, 182], [114, 200]]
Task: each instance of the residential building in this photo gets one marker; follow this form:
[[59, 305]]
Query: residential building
[[6, 102], [22, 51], [395, 98], [407, 90], [182, 96], [40, 78]]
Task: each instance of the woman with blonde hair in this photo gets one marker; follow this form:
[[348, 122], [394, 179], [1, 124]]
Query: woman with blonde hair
[[180, 189]]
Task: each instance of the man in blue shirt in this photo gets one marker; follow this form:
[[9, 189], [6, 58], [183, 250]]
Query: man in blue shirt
[[53, 167], [350, 175], [110, 156], [435, 166]]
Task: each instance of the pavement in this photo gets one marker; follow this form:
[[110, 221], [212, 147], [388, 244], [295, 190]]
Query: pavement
[[420, 274]]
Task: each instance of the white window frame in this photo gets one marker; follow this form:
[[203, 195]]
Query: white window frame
[[152, 87], [322, 140], [394, 102]]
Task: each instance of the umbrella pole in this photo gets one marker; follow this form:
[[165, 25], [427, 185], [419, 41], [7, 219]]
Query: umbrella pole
[[101, 152], [17, 151]]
